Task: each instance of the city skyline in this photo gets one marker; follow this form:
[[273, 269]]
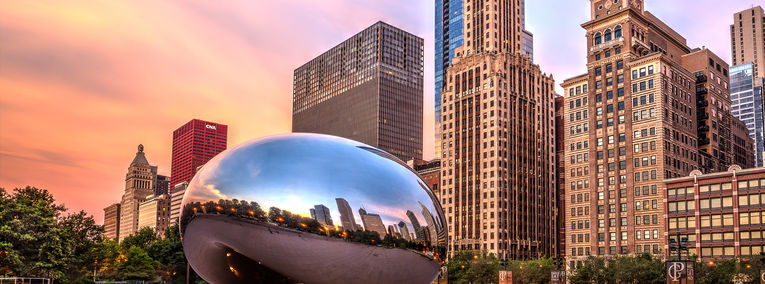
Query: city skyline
[[95, 143]]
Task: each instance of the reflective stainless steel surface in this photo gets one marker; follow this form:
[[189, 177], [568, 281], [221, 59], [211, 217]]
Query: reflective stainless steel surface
[[310, 208]]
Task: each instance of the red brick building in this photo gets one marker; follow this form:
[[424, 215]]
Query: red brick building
[[722, 214]]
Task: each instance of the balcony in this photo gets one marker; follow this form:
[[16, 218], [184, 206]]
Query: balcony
[[703, 128], [701, 79], [702, 103], [703, 141], [701, 90]]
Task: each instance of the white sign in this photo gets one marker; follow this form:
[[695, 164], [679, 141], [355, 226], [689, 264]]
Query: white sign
[[210, 126]]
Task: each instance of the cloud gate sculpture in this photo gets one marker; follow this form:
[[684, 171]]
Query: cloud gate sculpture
[[310, 208]]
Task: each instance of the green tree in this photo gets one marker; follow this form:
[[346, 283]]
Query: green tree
[[168, 251], [136, 264], [473, 267], [592, 271], [32, 241], [532, 271], [643, 268], [142, 239]]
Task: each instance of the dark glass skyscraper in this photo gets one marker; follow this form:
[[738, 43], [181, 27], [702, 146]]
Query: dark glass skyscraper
[[368, 88], [448, 38], [747, 100]]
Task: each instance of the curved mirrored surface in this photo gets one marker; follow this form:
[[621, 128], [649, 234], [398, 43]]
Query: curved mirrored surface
[[311, 208]]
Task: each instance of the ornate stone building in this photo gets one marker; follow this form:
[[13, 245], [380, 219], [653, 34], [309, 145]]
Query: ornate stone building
[[138, 185], [498, 139]]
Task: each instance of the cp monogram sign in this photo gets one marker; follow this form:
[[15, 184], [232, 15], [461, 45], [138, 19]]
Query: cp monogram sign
[[676, 270]]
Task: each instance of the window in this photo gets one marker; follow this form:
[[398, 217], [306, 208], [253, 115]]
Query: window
[[607, 35], [598, 38], [619, 65], [618, 32]]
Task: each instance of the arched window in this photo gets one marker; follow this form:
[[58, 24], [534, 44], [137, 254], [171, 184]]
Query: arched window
[[618, 32], [598, 38], [607, 35]]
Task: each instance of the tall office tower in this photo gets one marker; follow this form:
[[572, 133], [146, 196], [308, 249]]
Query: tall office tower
[[195, 143], [154, 213], [138, 185], [372, 223], [112, 221], [713, 106], [747, 39], [404, 231], [162, 185], [498, 158], [448, 38], [746, 94], [560, 175], [419, 231], [176, 198], [631, 122], [321, 213], [346, 215], [527, 39], [368, 88]]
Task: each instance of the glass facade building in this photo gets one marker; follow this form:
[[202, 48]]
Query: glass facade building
[[448, 38], [368, 88], [746, 98]]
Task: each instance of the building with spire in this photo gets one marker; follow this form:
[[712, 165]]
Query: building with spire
[[138, 185]]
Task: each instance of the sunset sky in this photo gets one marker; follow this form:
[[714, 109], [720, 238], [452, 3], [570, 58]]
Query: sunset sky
[[82, 83]]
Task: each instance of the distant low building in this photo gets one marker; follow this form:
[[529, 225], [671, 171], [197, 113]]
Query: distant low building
[[155, 213], [112, 221], [720, 214]]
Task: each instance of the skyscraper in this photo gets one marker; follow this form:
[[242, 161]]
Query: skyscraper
[[368, 88], [418, 230], [112, 221], [747, 39], [713, 106], [161, 185], [321, 213], [498, 149], [195, 143], [138, 185], [560, 164], [372, 222], [631, 122], [746, 94], [404, 231], [448, 38], [346, 215]]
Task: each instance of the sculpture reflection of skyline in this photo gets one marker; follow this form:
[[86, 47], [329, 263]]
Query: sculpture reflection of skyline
[[252, 212], [410, 231], [290, 174]]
